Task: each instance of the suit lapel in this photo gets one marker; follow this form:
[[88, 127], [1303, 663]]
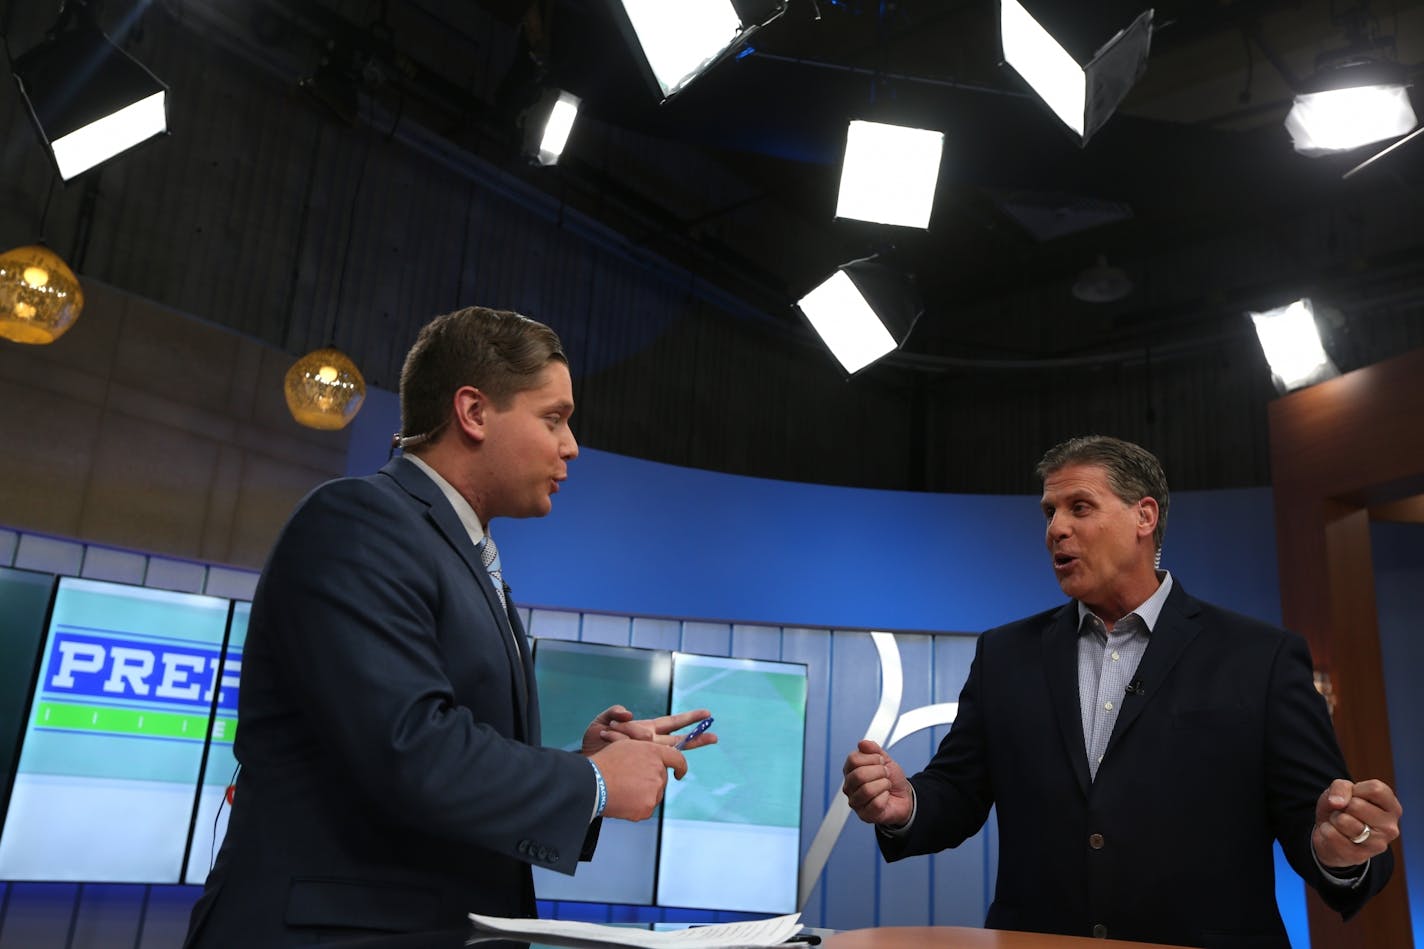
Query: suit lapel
[[447, 523], [1176, 627], [1060, 659]]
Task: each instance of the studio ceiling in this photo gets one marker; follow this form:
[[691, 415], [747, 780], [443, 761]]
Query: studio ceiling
[[1191, 193], [1191, 189]]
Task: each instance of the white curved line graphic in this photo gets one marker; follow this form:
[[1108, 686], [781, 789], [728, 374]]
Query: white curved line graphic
[[926, 716]]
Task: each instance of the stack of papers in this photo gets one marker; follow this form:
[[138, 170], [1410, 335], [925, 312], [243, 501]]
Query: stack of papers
[[754, 934]]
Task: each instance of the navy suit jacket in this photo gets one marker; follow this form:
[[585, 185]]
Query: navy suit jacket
[[1226, 747], [388, 733]]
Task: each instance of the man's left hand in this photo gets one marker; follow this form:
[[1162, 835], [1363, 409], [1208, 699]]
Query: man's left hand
[[616, 723], [1366, 811]]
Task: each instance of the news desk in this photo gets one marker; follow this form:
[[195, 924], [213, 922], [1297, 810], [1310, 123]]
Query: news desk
[[964, 937]]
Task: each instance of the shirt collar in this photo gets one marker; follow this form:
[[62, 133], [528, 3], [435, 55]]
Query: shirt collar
[[1150, 609], [463, 510]]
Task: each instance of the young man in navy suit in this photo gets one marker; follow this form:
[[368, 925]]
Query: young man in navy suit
[[392, 778], [1143, 748]]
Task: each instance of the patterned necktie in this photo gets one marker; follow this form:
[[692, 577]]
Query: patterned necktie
[[489, 556]]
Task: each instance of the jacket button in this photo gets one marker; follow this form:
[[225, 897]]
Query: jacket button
[[1100, 931], [1096, 841]]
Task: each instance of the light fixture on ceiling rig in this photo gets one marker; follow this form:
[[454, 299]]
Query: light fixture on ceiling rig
[[889, 173], [681, 40], [1072, 59], [1358, 94], [1290, 340], [864, 311], [88, 99]]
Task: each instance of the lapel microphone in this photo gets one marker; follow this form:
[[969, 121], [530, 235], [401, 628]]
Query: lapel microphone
[[1135, 688]]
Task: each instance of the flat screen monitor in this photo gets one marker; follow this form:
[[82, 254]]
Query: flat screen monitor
[[24, 601], [114, 736], [576, 681], [211, 810], [731, 835]]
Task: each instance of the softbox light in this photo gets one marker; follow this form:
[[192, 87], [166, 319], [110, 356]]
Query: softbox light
[[88, 99], [681, 40], [889, 174], [1350, 105], [1290, 340], [863, 311], [547, 125], [1072, 59]]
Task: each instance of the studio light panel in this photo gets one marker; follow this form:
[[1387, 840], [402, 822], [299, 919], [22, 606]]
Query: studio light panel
[[889, 174], [1044, 64], [1083, 66], [1290, 340], [1338, 120], [681, 39], [846, 323], [89, 100]]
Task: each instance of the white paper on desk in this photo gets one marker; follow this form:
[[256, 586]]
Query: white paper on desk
[[752, 934]]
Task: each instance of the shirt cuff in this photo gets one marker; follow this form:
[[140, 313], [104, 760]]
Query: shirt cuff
[[903, 829], [601, 800], [1350, 877]]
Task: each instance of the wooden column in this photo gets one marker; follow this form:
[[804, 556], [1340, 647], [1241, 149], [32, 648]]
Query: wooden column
[[1339, 449]]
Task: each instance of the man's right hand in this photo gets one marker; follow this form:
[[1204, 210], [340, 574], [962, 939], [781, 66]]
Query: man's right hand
[[635, 773], [876, 786]]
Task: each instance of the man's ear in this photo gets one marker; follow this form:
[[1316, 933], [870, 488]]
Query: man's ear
[[471, 408], [1147, 516]]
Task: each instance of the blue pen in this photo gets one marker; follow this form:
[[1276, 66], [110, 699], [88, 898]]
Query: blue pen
[[702, 726]]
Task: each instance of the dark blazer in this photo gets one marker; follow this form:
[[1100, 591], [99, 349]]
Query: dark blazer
[[388, 732], [1227, 747]]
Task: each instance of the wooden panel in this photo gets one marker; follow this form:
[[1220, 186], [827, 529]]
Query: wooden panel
[[1407, 511]]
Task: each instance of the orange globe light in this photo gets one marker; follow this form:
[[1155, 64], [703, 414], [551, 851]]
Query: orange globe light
[[324, 389], [40, 297]]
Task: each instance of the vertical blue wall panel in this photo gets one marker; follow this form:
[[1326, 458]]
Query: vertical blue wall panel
[[657, 633], [553, 624], [904, 887], [104, 911], [756, 642], [848, 886], [611, 630], [37, 915], [961, 885], [709, 639], [813, 647]]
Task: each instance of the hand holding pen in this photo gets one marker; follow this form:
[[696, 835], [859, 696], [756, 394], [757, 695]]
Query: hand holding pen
[[617, 723], [686, 740]]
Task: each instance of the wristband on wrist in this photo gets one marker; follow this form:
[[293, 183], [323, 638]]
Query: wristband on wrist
[[602, 790]]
